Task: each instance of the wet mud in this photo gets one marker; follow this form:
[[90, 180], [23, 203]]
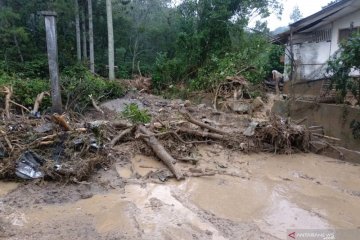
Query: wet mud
[[259, 196]]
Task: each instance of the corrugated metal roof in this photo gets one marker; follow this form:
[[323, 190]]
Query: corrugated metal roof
[[323, 17]]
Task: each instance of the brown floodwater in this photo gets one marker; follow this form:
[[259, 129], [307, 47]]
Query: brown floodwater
[[276, 193]]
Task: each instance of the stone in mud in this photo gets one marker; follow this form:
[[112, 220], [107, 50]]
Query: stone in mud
[[257, 103], [119, 105], [187, 103], [47, 127], [250, 131], [241, 107]]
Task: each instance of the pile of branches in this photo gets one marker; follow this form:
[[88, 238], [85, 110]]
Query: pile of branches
[[62, 149], [276, 135], [280, 135]]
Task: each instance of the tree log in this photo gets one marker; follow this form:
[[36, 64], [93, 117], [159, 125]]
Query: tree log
[[202, 134], [189, 118], [160, 151]]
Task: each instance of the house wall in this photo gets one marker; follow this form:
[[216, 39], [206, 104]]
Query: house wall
[[341, 24], [335, 119], [311, 57]]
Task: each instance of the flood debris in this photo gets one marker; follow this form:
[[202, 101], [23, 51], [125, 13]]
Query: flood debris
[[36, 148], [250, 131], [29, 165], [68, 148]]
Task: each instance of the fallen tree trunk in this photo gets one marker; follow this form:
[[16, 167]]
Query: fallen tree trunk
[[202, 134], [189, 118], [160, 151]]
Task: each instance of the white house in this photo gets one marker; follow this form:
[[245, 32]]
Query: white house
[[313, 40]]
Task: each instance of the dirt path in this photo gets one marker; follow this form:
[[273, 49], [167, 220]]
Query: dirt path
[[259, 197]]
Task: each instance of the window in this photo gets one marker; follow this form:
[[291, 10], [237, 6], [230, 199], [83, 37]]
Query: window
[[323, 35], [345, 33]]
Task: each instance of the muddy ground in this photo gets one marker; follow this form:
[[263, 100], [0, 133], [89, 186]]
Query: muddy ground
[[259, 197], [252, 196]]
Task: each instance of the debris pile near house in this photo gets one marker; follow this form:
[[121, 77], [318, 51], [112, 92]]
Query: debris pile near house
[[234, 94], [170, 130], [64, 148]]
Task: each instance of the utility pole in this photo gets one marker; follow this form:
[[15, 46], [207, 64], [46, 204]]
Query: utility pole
[[78, 32], [110, 39], [91, 37], [52, 51]]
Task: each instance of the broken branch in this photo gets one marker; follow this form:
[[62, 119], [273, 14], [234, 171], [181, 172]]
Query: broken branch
[[8, 94], [189, 118], [160, 151], [38, 101], [60, 120], [121, 136], [95, 104], [19, 105], [202, 134]]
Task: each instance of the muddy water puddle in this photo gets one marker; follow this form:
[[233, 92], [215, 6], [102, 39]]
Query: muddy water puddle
[[6, 187], [278, 193]]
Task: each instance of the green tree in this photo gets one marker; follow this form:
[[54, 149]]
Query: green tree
[[341, 67], [296, 14]]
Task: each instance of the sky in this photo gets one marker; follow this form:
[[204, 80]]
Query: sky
[[307, 7]]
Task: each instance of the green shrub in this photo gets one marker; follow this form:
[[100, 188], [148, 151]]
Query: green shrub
[[26, 90], [77, 84], [135, 115], [340, 67]]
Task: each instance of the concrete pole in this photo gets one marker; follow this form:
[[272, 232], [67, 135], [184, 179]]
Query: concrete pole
[[91, 37], [52, 49], [78, 32], [110, 39], [84, 41]]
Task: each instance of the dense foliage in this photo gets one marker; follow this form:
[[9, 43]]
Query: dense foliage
[[341, 67], [194, 43], [77, 85]]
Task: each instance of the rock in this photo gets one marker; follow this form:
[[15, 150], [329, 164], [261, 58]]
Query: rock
[[187, 103], [96, 124], [257, 103], [250, 131], [201, 106], [47, 127], [240, 107], [158, 125], [119, 105]]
